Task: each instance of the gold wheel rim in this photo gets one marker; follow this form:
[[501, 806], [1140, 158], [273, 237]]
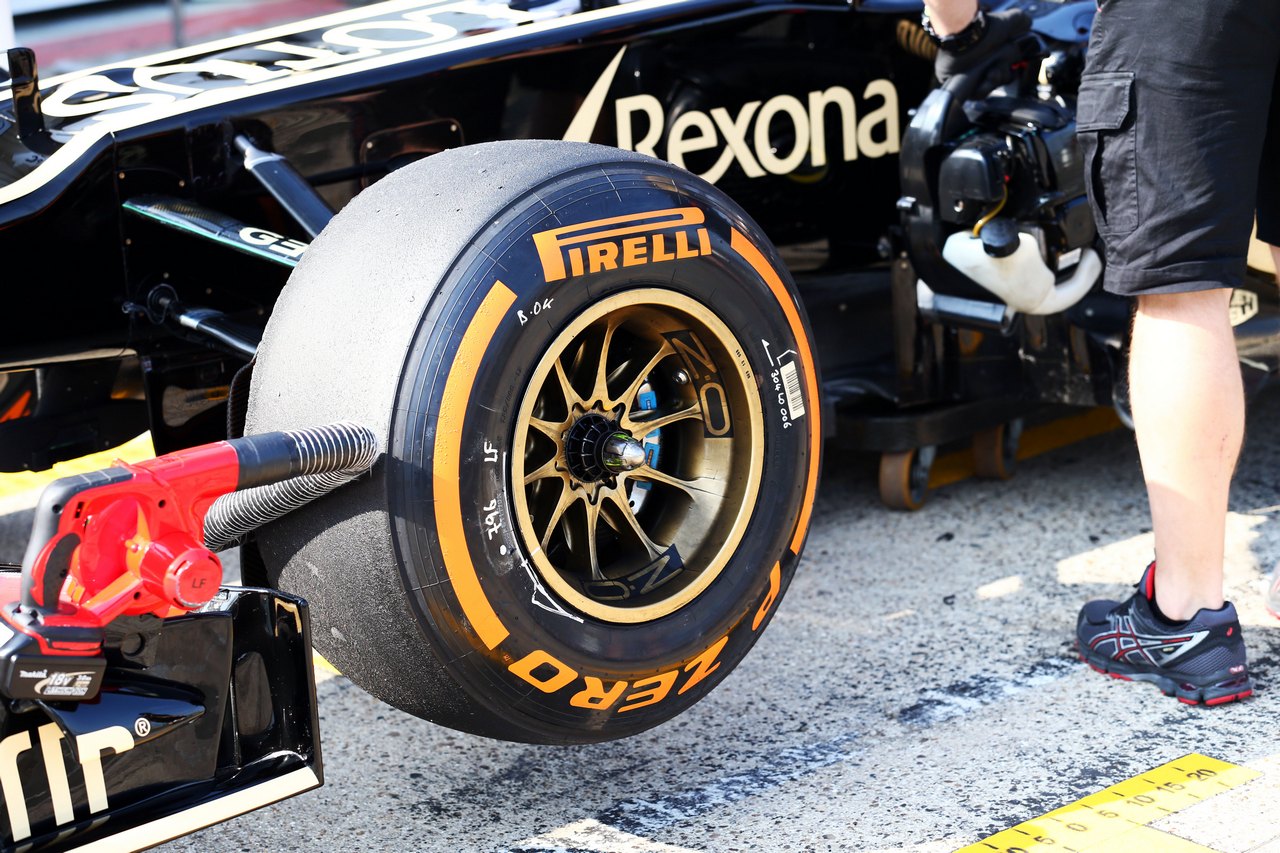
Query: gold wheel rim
[[631, 545]]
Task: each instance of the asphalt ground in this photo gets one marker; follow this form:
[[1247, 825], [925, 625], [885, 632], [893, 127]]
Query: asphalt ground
[[917, 691]]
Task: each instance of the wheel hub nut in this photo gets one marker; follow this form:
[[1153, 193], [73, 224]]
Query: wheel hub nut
[[596, 449], [621, 452]]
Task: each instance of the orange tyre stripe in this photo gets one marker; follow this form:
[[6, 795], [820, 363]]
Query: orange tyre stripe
[[744, 247], [446, 460]]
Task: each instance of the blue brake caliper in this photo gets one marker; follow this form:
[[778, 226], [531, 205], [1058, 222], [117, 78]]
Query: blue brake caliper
[[646, 401]]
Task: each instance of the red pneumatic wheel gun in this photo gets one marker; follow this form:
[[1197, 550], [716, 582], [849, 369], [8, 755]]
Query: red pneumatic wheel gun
[[134, 540]]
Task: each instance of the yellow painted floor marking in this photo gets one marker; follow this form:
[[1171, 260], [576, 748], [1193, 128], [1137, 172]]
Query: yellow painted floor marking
[[1115, 819], [1035, 838], [321, 663], [23, 482], [953, 467]]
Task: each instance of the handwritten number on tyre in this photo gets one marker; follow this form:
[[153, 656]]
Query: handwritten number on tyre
[[536, 309]]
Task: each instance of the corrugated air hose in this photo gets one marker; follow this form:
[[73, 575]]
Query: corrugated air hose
[[328, 457]]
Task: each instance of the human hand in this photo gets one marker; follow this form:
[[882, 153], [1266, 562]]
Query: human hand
[[1001, 29]]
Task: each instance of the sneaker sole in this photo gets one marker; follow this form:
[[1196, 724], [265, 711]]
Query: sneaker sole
[[1218, 692]]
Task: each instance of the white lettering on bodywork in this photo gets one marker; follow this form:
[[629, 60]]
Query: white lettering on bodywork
[[97, 96], [751, 135], [89, 747]]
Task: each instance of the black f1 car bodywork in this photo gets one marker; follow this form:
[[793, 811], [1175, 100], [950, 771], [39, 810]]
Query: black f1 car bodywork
[[722, 88], [602, 277]]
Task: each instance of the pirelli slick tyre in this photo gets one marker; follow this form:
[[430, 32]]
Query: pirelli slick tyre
[[599, 405]]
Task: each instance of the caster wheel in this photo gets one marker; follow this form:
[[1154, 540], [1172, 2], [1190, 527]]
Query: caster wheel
[[904, 478], [995, 450]]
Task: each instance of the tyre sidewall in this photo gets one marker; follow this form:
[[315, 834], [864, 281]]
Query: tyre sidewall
[[541, 665]]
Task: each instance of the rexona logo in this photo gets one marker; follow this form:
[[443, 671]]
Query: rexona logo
[[622, 241], [747, 136], [89, 748]]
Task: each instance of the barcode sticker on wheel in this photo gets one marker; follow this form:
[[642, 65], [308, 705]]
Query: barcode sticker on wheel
[[791, 386]]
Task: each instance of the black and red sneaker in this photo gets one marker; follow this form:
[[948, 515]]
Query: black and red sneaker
[[1200, 660]]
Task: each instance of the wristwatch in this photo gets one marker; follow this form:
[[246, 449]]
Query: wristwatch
[[961, 41]]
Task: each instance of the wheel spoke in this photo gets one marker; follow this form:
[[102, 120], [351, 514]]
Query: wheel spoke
[[623, 508], [601, 389], [641, 428], [696, 488], [593, 519], [608, 519], [545, 471], [628, 397], [567, 497], [571, 397], [550, 429]]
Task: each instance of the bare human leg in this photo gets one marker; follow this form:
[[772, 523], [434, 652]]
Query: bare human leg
[[1188, 411]]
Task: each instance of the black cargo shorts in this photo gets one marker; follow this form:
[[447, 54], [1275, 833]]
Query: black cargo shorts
[[1179, 122]]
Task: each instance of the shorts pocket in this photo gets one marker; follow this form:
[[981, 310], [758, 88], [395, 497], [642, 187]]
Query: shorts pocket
[[1109, 140]]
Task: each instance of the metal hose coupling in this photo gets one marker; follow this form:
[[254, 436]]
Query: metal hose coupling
[[320, 460]]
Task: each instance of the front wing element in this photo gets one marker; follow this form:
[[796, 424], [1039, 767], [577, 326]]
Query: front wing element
[[211, 717]]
